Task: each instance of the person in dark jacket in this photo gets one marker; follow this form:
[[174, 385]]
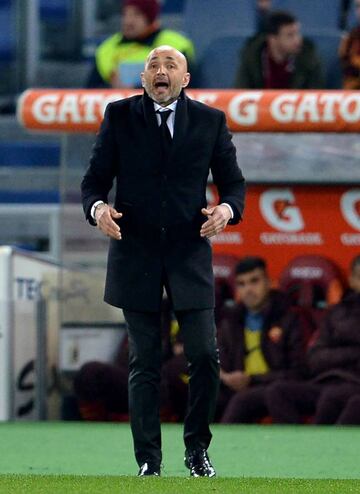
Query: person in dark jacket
[[334, 367], [349, 53], [261, 341], [280, 58], [159, 148]]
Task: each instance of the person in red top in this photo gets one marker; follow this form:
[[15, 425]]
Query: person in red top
[[280, 58], [349, 53]]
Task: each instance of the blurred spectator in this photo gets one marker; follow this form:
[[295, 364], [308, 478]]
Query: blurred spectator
[[120, 58], [260, 342], [349, 53], [334, 365], [280, 58], [263, 9]]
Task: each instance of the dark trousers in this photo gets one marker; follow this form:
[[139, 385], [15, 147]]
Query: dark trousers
[[199, 337], [289, 401]]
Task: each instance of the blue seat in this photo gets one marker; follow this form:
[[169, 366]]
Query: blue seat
[[26, 197], [313, 14], [172, 6], [28, 154], [220, 62], [7, 34], [327, 45], [55, 10], [210, 19], [352, 20]]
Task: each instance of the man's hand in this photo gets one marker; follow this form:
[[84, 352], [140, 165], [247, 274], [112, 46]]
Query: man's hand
[[236, 380], [218, 218], [104, 215]]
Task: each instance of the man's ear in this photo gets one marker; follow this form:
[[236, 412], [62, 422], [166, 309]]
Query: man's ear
[[142, 79], [186, 80]]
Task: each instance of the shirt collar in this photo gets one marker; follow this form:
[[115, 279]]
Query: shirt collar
[[172, 106]]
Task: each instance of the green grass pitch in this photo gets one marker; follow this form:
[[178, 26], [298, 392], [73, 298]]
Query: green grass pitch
[[66, 458]]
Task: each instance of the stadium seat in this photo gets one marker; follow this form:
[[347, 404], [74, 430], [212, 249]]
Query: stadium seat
[[313, 14], [55, 10], [351, 21], [28, 154], [204, 21], [220, 61], [7, 33], [327, 45], [313, 283], [224, 274], [172, 6]]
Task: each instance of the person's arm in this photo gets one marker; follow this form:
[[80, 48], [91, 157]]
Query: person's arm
[[315, 75], [98, 178], [326, 354], [243, 78], [226, 173]]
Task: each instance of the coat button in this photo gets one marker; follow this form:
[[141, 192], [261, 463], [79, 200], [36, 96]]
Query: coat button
[[163, 204]]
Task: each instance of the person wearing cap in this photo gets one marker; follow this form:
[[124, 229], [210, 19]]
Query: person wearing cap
[[117, 59], [159, 148]]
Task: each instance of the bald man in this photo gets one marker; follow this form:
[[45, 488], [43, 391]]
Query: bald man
[[159, 148]]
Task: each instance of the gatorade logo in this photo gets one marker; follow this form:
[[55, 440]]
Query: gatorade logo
[[350, 208], [279, 209]]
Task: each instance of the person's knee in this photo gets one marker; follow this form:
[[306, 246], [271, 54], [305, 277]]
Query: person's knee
[[276, 391], [203, 355], [90, 380]]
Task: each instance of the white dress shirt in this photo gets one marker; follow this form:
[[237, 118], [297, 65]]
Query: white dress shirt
[[170, 123]]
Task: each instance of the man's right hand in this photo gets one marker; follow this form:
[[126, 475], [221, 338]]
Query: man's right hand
[[104, 217]]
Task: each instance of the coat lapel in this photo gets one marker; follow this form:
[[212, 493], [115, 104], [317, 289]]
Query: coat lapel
[[180, 126], [153, 133]]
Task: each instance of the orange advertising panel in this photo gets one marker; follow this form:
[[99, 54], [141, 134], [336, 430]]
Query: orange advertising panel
[[281, 223], [76, 110]]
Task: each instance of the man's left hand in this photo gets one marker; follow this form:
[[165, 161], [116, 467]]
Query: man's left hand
[[218, 218]]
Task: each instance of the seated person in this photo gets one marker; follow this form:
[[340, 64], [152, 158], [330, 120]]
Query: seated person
[[260, 342], [349, 53], [334, 366], [280, 58], [120, 58]]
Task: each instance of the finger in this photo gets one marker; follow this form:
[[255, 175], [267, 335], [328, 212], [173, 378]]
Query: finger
[[109, 227], [114, 213], [207, 212], [211, 227]]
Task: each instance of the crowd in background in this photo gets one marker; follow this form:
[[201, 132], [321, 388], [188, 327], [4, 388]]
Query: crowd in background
[[278, 56], [279, 361]]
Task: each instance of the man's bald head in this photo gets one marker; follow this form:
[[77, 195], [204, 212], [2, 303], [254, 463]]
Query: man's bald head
[[165, 74], [170, 52]]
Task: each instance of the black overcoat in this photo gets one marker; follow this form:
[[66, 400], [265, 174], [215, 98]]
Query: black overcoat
[[161, 200]]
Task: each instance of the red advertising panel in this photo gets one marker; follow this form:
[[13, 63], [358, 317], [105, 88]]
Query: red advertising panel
[[281, 223], [81, 110]]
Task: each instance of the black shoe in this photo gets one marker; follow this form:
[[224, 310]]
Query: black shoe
[[197, 461], [148, 469]]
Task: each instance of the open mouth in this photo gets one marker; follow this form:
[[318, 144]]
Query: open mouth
[[161, 84]]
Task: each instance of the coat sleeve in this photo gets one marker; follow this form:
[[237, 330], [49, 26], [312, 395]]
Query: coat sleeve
[[326, 354], [226, 173], [99, 177]]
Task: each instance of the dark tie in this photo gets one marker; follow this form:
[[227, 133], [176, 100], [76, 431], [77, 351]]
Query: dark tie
[[165, 132]]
